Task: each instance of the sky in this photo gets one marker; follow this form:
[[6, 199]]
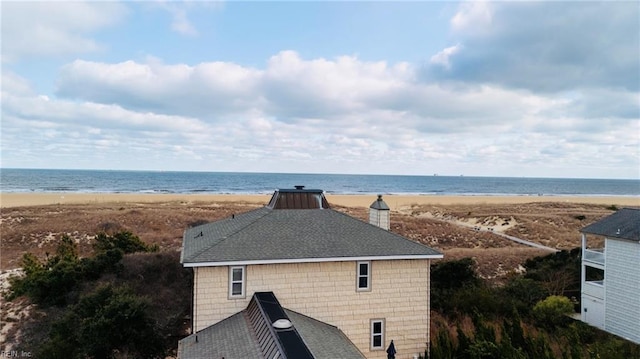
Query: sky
[[517, 89]]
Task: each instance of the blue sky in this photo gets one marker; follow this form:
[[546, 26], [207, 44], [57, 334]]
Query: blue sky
[[538, 89]]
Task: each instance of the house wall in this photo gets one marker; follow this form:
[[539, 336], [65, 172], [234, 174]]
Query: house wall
[[622, 288], [327, 292]]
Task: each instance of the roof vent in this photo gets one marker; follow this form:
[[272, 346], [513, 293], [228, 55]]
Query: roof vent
[[299, 187], [282, 324]]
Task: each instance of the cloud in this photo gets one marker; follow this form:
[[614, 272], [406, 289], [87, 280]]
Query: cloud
[[442, 57], [472, 16], [15, 84], [314, 115], [213, 89], [179, 11], [293, 90], [33, 29], [544, 46], [41, 109]]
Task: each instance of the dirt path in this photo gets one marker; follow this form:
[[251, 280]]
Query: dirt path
[[525, 242], [476, 225]]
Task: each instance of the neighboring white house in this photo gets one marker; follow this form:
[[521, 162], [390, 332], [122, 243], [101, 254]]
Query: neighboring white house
[[296, 279], [611, 274]]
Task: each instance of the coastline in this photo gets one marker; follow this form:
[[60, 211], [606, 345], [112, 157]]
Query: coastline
[[8, 200]]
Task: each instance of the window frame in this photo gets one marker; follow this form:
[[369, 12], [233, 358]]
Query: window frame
[[360, 275], [242, 281], [373, 334]]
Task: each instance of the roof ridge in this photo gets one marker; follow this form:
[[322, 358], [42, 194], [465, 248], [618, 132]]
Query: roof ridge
[[389, 231], [224, 238]]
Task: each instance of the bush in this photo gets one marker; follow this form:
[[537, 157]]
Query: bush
[[453, 279], [125, 241], [55, 281], [52, 281], [552, 311], [454, 274], [108, 321], [524, 293]]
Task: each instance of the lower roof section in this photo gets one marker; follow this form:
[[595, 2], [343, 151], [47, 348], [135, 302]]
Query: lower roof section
[[251, 334]]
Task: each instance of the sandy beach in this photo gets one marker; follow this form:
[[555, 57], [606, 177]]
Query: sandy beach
[[8, 200]]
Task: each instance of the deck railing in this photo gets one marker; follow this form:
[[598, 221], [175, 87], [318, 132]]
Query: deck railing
[[594, 255]]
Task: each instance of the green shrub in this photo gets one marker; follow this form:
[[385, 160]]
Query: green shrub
[[552, 311], [524, 293], [55, 281], [125, 241], [108, 321]]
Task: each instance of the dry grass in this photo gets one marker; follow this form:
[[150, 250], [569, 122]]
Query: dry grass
[[447, 228], [37, 229]]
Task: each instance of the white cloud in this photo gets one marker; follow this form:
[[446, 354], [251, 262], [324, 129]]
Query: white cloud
[[85, 114], [15, 84], [53, 28], [179, 11], [473, 16], [442, 57], [211, 88], [308, 115]]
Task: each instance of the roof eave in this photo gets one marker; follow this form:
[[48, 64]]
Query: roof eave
[[312, 260]]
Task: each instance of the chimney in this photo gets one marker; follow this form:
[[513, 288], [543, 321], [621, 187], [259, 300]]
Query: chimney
[[379, 213]]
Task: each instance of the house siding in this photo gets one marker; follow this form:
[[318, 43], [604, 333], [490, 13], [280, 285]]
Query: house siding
[[327, 292], [622, 288], [379, 218]]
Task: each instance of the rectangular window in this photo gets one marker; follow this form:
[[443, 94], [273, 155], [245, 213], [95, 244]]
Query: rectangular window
[[236, 282], [377, 334], [363, 276]]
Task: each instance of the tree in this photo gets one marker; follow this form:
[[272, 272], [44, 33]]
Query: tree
[[559, 273]]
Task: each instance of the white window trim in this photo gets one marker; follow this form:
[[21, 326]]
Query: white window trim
[[372, 334], [243, 281], [368, 276]]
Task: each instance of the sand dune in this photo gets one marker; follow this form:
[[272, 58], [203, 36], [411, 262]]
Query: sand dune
[[395, 202]]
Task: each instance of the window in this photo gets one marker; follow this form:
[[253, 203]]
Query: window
[[377, 334], [236, 282], [363, 276]]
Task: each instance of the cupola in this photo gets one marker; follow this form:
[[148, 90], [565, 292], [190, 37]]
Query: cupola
[[298, 198], [379, 213]]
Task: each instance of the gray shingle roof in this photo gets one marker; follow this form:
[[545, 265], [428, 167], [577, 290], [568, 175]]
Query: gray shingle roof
[[268, 234], [324, 340], [236, 338], [379, 204], [623, 224], [229, 338]]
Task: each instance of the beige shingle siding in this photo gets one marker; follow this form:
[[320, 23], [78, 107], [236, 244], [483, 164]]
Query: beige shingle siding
[[327, 292], [622, 288]]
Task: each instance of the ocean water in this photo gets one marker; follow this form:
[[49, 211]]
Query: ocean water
[[99, 181]]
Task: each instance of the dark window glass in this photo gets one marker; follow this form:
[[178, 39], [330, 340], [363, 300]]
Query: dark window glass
[[377, 341], [377, 327], [364, 269], [237, 274], [236, 289]]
